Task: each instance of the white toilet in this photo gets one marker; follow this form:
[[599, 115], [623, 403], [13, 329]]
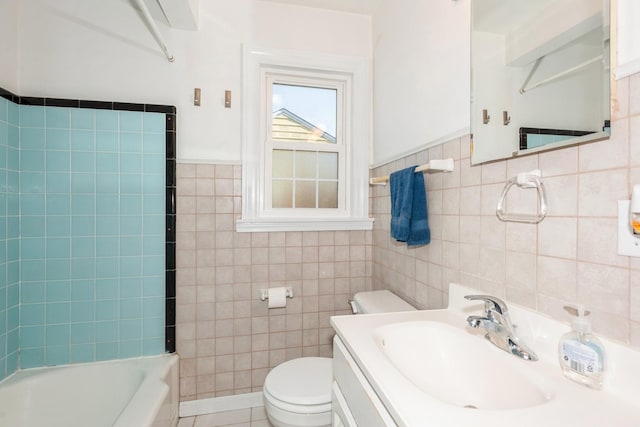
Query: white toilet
[[297, 393]]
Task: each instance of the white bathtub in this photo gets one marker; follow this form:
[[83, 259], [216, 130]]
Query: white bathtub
[[122, 393]]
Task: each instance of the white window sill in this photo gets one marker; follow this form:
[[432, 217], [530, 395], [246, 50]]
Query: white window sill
[[311, 224]]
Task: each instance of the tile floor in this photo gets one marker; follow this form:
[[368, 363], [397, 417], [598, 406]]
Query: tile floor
[[251, 417]]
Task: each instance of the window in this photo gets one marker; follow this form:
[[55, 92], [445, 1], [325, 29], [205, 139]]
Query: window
[[306, 142]]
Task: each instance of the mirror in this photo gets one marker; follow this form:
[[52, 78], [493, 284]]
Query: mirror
[[540, 75]]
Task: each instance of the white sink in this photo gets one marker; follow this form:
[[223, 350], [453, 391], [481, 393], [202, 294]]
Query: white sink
[[459, 367], [425, 366]]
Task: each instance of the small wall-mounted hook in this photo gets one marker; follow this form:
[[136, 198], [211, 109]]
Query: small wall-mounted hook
[[227, 99], [196, 96], [486, 118], [505, 118]]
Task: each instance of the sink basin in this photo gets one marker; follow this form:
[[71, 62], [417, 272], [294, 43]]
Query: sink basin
[[460, 368]]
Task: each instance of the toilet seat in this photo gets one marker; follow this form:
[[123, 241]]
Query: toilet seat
[[300, 385], [296, 409], [297, 393]]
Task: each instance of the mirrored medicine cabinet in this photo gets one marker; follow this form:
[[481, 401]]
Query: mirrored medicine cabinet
[[540, 75]]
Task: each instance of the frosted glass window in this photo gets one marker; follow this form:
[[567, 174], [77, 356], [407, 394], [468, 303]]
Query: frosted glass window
[[328, 195], [282, 194], [305, 194], [304, 179], [306, 164], [282, 163], [328, 165]]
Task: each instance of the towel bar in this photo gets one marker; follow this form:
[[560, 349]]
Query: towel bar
[[444, 165], [524, 180]]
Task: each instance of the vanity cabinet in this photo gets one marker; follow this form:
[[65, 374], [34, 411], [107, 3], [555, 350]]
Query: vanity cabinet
[[407, 369], [354, 402], [341, 416]]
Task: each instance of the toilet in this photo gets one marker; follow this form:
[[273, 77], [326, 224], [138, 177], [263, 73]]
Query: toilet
[[297, 393]]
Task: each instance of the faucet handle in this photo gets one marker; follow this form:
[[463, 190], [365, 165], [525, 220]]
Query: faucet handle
[[491, 304]]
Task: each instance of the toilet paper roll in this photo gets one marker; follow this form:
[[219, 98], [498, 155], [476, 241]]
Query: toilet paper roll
[[277, 297]]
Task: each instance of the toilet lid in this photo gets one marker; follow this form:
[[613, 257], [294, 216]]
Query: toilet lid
[[302, 381]]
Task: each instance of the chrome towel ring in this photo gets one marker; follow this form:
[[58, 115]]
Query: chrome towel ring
[[524, 180]]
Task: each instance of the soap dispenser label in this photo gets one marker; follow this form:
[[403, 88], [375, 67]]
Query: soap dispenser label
[[580, 358]]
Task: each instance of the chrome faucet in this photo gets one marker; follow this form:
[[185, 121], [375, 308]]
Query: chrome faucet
[[500, 331]]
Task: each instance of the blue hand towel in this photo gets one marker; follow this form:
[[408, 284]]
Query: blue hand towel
[[409, 221]]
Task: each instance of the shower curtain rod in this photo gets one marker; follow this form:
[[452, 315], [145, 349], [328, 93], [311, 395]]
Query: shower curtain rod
[[526, 88], [153, 28]]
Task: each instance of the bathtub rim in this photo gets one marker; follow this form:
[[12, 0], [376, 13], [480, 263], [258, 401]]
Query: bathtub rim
[[155, 399]]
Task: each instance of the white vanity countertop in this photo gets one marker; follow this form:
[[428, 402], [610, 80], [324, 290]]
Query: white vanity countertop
[[571, 404]]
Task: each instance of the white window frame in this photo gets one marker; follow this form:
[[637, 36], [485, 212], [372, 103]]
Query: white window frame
[[257, 216], [341, 84]]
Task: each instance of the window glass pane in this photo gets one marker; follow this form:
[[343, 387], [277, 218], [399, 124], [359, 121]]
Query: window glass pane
[[305, 194], [328, 195], [306, 164], [282, 194], [328, 164], [302, 113], [282, 163]]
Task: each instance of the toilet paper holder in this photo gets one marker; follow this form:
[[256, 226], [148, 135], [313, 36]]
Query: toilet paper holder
[[264, 293]]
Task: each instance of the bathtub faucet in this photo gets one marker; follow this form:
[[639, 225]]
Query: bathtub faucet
[[497, 323]]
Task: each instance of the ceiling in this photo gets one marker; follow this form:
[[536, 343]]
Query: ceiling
[[364, 7]]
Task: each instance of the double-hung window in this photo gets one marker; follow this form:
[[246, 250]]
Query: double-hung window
[[305, 143]]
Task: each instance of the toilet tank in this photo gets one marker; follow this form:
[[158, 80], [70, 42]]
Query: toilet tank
[[378, 302]]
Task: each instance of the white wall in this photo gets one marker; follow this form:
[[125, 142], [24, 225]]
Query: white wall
[[421, 74], [9, 45], [628, 53], [101, 50]]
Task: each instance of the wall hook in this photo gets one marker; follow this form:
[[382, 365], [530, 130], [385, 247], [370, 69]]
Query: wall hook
[[227, 99], [505, 118], [486, 118]]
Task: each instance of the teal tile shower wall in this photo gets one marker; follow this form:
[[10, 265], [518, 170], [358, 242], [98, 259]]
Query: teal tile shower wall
[[9, 237], [92, 222]]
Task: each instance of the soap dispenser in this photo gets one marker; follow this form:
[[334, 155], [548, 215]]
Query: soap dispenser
[[634, 210], [581, 354]]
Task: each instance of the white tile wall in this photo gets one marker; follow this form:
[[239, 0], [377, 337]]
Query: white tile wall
[[228, 339], [571, 256]]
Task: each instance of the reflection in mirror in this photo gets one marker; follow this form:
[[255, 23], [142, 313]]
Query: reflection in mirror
[[540, 75]]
